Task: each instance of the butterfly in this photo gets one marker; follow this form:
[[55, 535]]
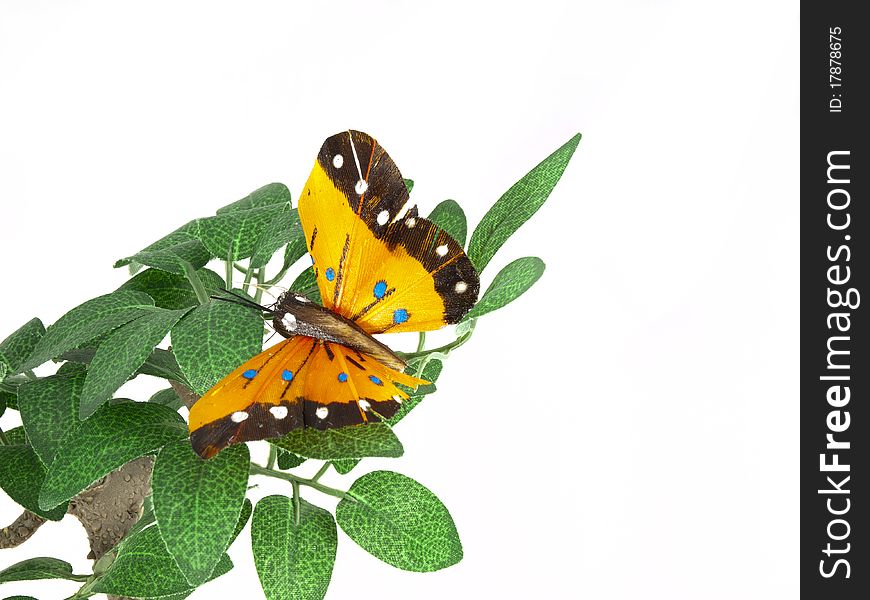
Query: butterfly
[[380, 268]]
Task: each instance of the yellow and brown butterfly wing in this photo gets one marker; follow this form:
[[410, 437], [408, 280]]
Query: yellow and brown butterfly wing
[[377, 261], [299, 382]]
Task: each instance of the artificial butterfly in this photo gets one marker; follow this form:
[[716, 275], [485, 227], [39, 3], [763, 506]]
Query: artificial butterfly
[[380, 268]]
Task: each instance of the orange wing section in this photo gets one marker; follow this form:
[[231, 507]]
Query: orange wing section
[[377, 262], [299, 382]]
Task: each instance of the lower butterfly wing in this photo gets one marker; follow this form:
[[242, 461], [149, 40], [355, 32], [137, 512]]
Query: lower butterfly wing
[[299, 382], [377, 262]]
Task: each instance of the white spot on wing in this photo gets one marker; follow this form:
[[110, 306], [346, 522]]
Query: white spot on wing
[[361, 187], [397, 398], [290, 322], [302, 299], [322, 412], [363, 404], [279, 412], [410, 223], [239, 416], [383, 217], [403, 211], [337, 161], [461, 287], [441, 250]]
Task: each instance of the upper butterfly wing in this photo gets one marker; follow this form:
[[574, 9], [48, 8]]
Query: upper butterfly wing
[[299, 382], [376, 260]]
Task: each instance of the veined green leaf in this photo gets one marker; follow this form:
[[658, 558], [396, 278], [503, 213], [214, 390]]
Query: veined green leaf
[[280, 231], [162, 364], [168, 398], [87, 321], [122, 354], [247, 508], [235, 234], [172, 291], [21, 475], [197, 504], [293, 559], [306, 284], [144, 569], [172, 259], [288, 460], [268, 195], [50, 408], [112, 437], [510, 283], [409, 184], [213, 339], [38, 568], [18, 347], [517, 205], [400, 522], [450, 217], [355, 441]]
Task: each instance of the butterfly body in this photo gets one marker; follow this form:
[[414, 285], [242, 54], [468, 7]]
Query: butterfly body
[[380, 268]]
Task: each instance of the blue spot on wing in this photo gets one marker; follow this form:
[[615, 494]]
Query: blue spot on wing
[[249, 374], [287, 375], [342, 377], [400, 315], [330, 274], [376, 380], [380, 289]]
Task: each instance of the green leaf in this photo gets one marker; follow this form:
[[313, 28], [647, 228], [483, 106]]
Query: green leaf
[[306, 284], [430, 373], [281, 230], [197, 504], [16, 436], [400, 522], [345, 465], [87, 321], [168, 398], [145, 569], [450, 217], [4, 369], [354, 441], [115, 435], [20, 598], [21, 475], [273, 193], [296, 248], [409, 183], [247, 508], [517, 205], [18, 347], [122, 354], [49, 409], [510, 283], [213, 339], [172, 291], [235, 234], [162, 364], [294, 560], [288, 460], [172, 259], [38, 568]]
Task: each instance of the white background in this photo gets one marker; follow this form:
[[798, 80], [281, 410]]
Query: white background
[[628, 429]]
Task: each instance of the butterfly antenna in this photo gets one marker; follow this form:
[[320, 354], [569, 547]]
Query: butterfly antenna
[[240, 300]]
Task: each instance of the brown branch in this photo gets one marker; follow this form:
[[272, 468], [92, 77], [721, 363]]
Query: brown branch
[[20, 530], [188, 396]]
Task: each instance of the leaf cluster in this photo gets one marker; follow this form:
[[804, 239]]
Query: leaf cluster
[[75, 430]]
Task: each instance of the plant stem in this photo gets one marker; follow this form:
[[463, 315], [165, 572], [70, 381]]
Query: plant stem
[[240, 268], [323, 469], [445, 349], [195, 283], [228, 273], [273, 456], [4, 441], [297, 503], [260, 275], [246, 285], [258, 470], [421, 343]]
